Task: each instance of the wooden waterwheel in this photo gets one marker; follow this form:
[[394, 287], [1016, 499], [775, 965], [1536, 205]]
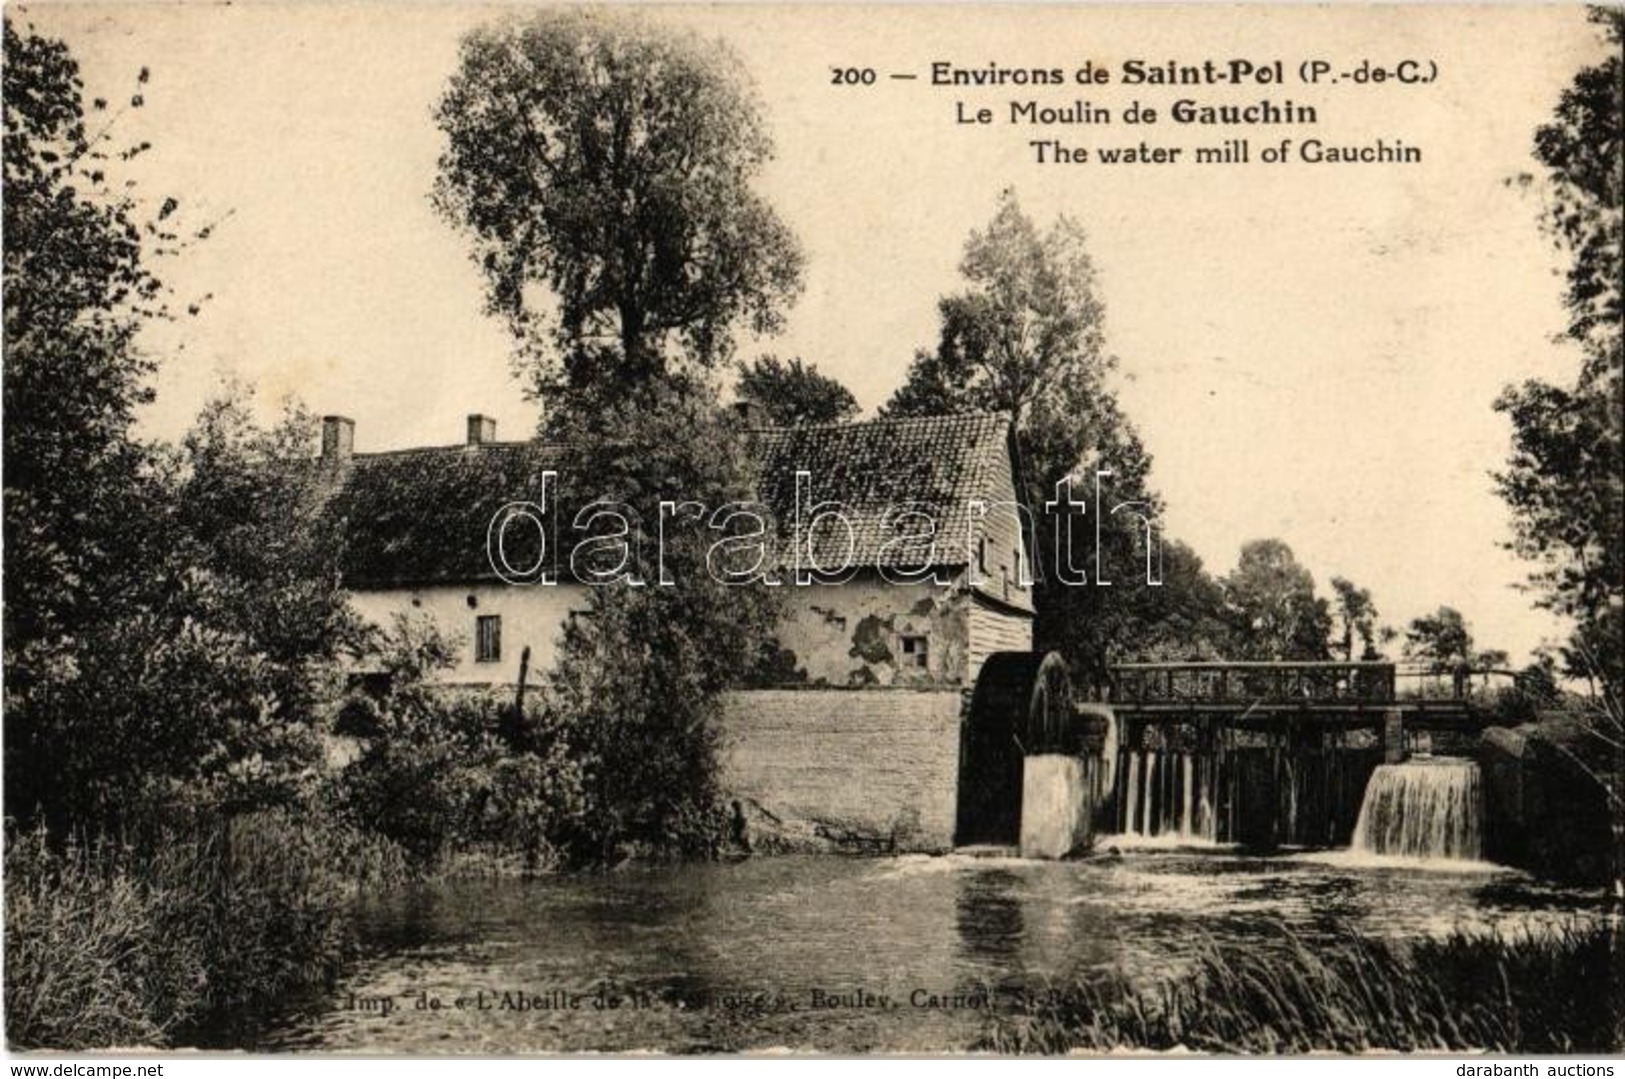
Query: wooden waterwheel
[[1022, 705]]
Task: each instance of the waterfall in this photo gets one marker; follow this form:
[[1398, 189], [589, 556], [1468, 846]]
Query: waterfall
[[1131, 771], [1423, 809], [1167, 795]]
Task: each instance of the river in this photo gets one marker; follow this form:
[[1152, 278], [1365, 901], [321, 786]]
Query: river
[[841, 955]]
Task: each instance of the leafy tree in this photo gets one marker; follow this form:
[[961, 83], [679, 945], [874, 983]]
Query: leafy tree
[[198, 687], [794, 393], [1356, 619], [250, 513], [1445, 643], [83, 512], [1026, 338], [161, 631], [1565, 480], [76, 290], [640, 675], [1183, 619], [1272, 608], [608, 161], [1441, 639]]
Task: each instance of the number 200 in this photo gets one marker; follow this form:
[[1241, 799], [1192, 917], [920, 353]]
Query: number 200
[[852, 76]]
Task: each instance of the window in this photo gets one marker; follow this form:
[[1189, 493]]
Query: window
[[916, 651], [488, 638]]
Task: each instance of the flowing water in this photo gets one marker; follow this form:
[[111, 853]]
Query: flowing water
[[1260, 796], [1423, 809], [844, 955]]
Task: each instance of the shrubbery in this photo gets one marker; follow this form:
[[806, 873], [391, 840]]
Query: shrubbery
[[447, 774]]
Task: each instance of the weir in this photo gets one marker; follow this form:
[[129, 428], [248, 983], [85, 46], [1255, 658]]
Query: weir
[[1263, 755], [1424, 808], [1241, 788]]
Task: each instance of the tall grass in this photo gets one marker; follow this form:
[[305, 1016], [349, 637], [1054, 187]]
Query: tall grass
[[1549, 992], [147, 942]]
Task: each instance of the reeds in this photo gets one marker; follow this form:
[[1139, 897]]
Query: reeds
[[142, 943], [1553, 991]]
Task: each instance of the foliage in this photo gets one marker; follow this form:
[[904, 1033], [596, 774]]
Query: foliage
[[165, 611], [1183, 619], [1026, 338], [603, 167], [1272, 608], [203, 680], [1356, 616], [1445, 643], [1565, 479], [794, 393], [639, 676], [609, 161], [174, 933], [438, 777], [249, 514], [76, 290], [1547, 993]]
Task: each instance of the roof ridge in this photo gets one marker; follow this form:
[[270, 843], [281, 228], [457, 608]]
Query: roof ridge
[[405, 451], [879, 421]]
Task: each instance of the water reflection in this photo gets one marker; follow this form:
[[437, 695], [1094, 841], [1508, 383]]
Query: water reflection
[[839, 955]]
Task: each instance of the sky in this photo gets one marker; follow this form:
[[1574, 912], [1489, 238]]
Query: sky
[[1309, 352]]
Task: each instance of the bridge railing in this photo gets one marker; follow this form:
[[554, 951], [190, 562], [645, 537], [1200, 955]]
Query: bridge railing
[[1458, 684], [1245, 683]]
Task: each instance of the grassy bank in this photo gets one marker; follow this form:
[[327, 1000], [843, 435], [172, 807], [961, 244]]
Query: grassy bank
[[1550, 992], [160, 940]]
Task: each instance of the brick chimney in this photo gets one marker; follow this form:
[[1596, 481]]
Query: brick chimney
[[481, 429], [338, 439], [751, 415]]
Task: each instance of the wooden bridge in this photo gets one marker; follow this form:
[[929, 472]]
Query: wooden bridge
[[1266, 695]]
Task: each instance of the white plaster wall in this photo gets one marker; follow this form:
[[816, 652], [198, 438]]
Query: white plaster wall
[[531, 616]]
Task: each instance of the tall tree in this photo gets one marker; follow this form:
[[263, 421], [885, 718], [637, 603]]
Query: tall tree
[[78, 495], [1565, 480], [76, 291], [1444, 642], [1273, 611], [638, 682], [1356, 619], [250, 516], [164, 613], [1026, 337], [602, 165], [793, 393], [1183, 619]]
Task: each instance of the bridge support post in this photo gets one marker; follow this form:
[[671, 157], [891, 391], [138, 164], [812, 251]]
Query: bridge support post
[[1393, 736]]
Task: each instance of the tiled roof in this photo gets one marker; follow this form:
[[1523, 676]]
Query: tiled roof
[[933, 465], [420, 516]]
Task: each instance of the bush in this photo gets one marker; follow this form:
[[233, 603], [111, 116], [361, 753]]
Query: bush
[[1556, 992], [439, 779]]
